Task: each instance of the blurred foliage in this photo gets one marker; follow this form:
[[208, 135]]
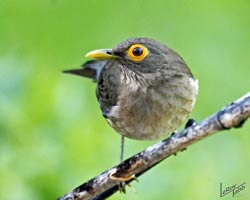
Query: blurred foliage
[[52, 134]]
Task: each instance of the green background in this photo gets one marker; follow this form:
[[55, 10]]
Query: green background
[[52, 134]]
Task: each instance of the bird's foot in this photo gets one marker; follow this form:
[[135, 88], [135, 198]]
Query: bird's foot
[[123, 180], [173, 133], [190, 122], [122, 187]]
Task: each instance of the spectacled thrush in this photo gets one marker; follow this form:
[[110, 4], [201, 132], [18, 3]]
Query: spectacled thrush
[[145, 89]]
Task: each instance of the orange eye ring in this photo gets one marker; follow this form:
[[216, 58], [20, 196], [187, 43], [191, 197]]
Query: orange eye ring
[[137, 52]]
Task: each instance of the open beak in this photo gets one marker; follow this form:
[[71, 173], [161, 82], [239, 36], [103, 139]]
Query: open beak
[[104, 54]]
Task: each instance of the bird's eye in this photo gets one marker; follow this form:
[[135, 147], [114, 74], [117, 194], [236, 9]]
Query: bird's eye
[[137, 52]]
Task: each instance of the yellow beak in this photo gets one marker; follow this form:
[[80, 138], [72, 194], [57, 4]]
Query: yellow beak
[[105, 54]]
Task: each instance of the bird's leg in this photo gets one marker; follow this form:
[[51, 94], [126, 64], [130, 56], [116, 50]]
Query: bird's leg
[[122, 179], [122, 148], [122, 185], [190, 122]]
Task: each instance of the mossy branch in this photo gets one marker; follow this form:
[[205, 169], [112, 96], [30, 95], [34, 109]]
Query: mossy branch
[[104, 185]]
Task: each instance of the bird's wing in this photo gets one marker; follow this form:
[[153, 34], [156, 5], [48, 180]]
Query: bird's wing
[[107, 75], [108, 87], [90, 69]]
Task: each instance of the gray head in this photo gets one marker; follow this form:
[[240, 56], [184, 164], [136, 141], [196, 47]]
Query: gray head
[[143, 55]]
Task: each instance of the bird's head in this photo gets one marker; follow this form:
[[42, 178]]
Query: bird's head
[[141, 55]]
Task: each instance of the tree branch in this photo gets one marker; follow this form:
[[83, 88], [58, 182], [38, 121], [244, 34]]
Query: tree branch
[[102, 186]]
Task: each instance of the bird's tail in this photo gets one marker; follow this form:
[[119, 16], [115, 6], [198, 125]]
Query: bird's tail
[[90, 69]]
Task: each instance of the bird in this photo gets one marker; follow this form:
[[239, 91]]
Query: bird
[[145, 89]]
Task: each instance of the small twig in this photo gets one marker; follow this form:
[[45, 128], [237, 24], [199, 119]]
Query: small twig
[[102, 186]]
